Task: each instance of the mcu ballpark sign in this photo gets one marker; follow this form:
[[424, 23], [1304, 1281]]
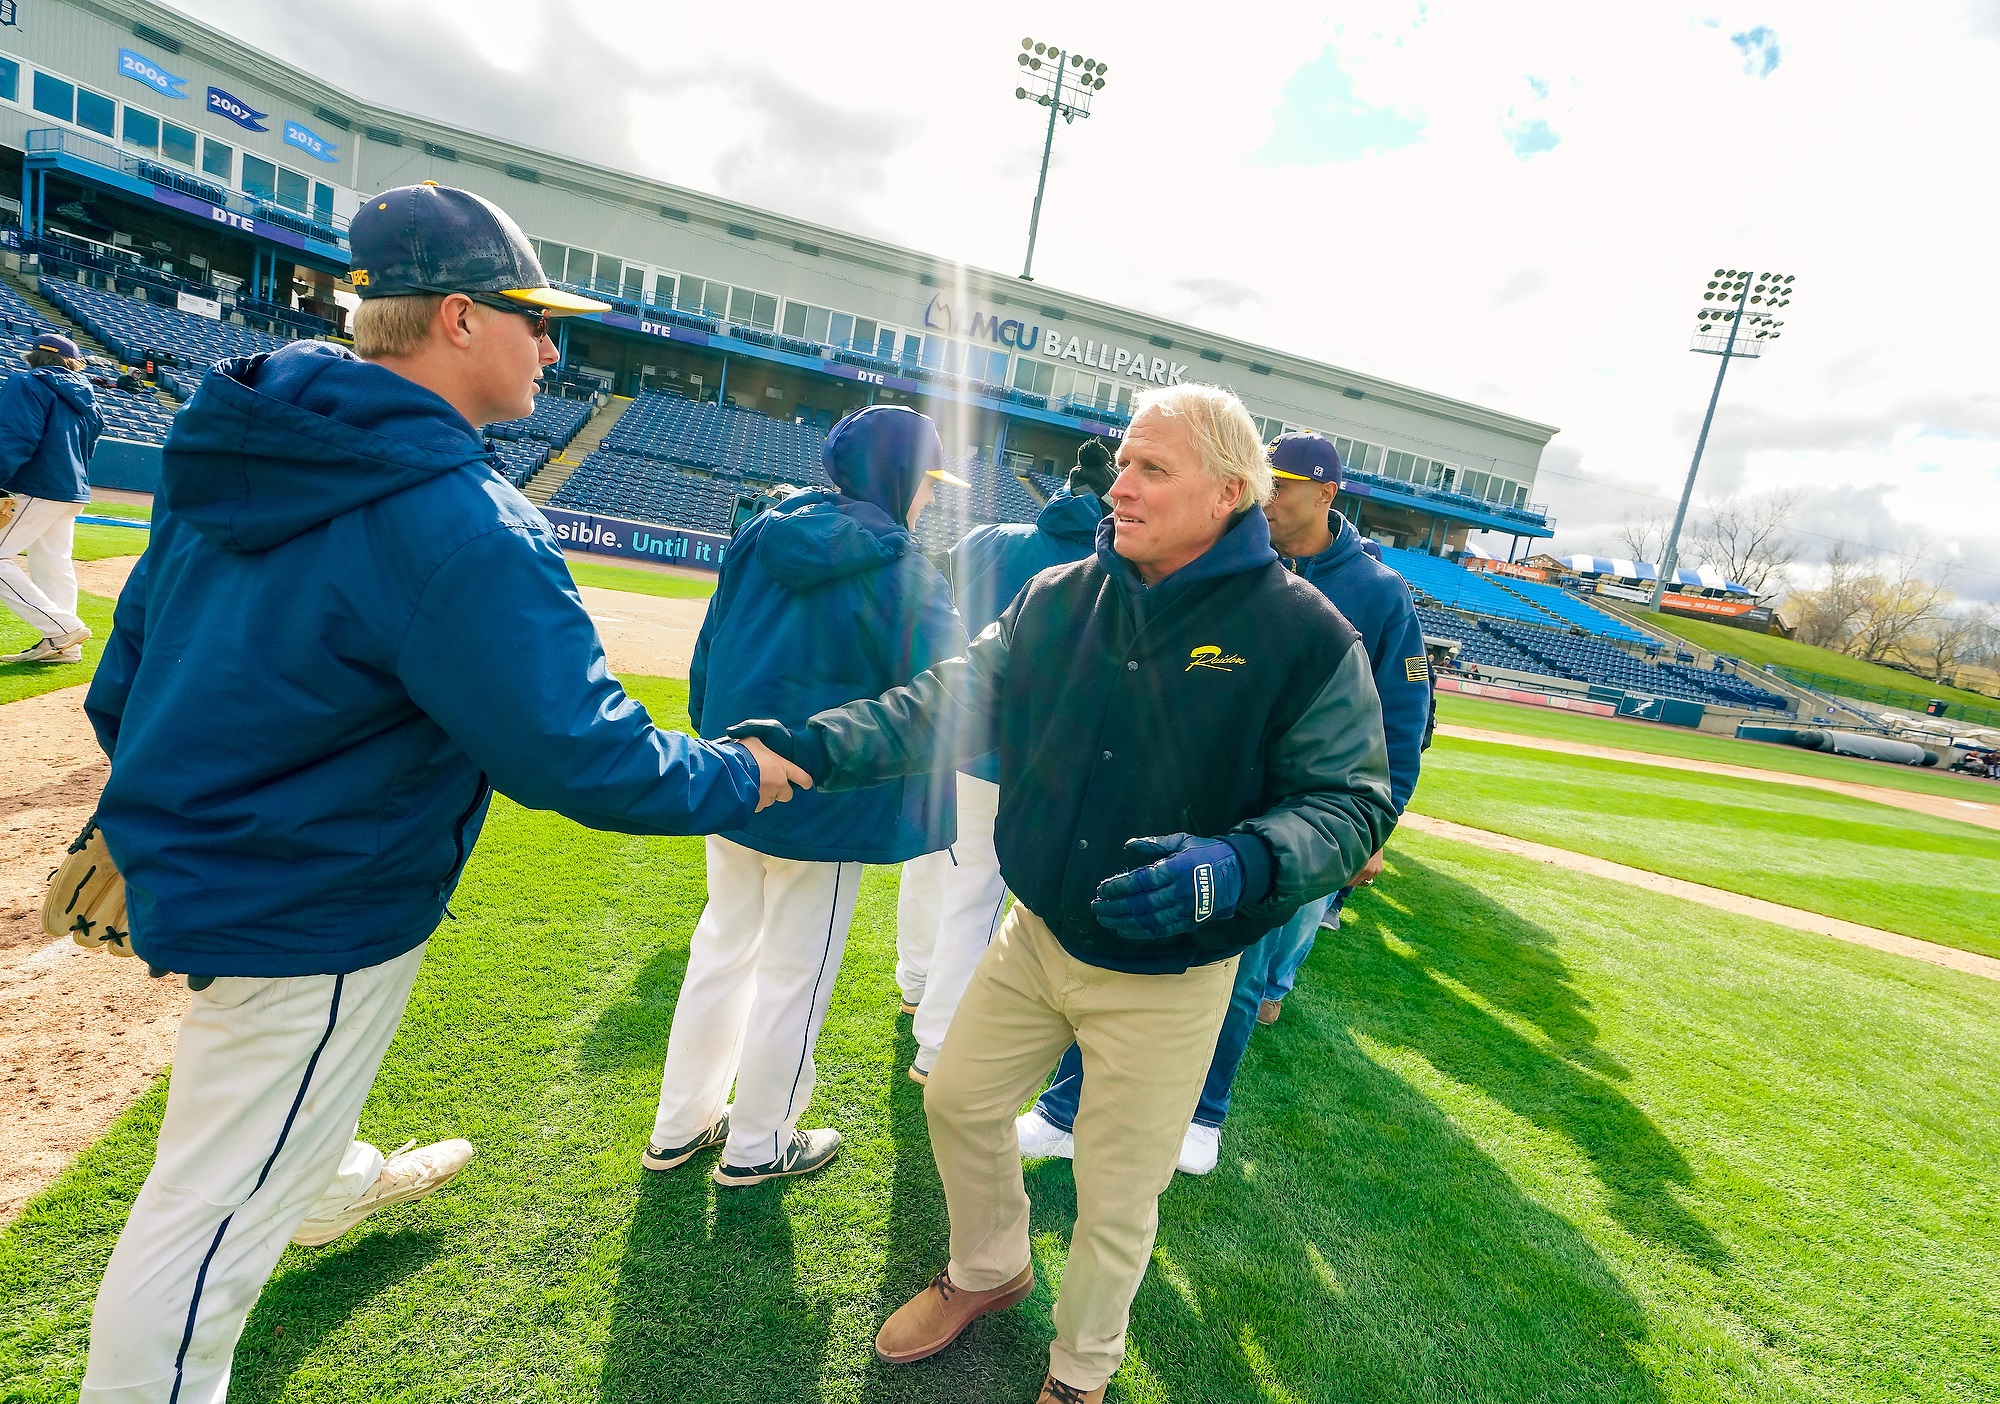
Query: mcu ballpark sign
[[1118, 360], [613, 536]]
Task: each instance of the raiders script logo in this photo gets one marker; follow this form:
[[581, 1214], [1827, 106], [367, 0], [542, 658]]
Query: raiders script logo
[[1209, 656]]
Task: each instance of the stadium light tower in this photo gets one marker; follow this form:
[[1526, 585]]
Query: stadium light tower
[[1737, 322], [1042, 80]]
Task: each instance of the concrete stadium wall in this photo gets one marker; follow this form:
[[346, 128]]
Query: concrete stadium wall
[[126, 464]]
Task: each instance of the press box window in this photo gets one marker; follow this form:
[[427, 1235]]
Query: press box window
[[755, 309], [142, 129], [322, 202], [53, 97], [260, 177], [10, 80], [217, 159], [96, 113], [177, 143], [292, 190]]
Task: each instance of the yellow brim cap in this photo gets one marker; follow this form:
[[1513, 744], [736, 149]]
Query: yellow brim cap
[[1295, 477], [557, 302], [944, 477]]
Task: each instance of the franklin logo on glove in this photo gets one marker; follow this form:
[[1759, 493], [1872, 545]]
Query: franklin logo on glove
[[1192, 881]]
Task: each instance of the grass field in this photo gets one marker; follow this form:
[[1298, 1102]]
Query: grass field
[[18, 680], [1851, 858], [1655, 739], [1769, 648], [640, 582], [1521, 1135]]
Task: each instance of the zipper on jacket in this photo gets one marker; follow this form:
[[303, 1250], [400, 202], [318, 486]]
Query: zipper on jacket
[[458, 834]]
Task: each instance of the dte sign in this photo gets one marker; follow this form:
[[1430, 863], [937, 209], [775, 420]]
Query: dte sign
[[233, 220], [868, 377]]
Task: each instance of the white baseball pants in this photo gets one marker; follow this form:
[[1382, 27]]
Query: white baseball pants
[[946, 914], [44, 593], [267, 1086], [760, 974]]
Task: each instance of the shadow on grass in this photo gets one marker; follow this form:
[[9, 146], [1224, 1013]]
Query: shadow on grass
[[706, 1305], [304, 1306], [1354, 1244]]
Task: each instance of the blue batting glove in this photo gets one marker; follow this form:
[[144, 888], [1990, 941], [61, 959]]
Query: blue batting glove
[[774, 734], [1192, 882]]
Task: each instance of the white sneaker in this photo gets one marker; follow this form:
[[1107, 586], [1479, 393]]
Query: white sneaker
[[410, 1172], [1038, 1138], [57, 648], [1199, 1149]]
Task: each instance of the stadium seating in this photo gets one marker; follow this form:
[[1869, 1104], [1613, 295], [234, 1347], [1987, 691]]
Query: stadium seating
[[646, 489], [719, 437], [555, 421], [996, 495], [520, 459], [137, 330], [15, 310], [1570, 609], [1464, 589]]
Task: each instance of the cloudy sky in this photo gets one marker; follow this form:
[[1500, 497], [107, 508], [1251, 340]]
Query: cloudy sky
[[1515, 204]]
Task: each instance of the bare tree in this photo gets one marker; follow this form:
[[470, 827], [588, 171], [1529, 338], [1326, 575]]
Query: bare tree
[[1955, 638], [1830, 614], [1913, 594], [1749, 539], [1643, 534]]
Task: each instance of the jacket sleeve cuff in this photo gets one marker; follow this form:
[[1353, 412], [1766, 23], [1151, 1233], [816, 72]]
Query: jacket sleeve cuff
[[1254, 857], [809, 752]]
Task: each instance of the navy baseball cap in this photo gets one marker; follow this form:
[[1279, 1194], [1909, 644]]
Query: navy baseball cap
[[1306, 457], [431, 238], [58, 343]]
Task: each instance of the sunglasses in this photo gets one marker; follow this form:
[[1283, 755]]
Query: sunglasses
[[538, 317]]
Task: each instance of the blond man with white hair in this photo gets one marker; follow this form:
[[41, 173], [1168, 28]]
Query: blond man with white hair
[[1190, 750]]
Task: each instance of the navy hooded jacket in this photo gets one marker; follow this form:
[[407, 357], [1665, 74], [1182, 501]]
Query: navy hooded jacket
[[1377, 603], [824, 599], [992, 563], [49, 427], [346, 632]]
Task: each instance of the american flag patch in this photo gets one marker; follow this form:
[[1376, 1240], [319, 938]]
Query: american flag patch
[[1417, 669]]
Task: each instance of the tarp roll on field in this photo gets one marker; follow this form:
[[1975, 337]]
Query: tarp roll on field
[[1841, 743]]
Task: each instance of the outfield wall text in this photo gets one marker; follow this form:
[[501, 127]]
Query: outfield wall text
[[639, 541]]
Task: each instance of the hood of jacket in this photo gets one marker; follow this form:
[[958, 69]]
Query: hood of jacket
[[880, 455], [1246, 545], [273, 445], [74, 391], [1071, 516], [820, 536], [1346, 549]]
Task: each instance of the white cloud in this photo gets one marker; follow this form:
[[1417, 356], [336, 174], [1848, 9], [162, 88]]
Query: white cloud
[[1833, 145]]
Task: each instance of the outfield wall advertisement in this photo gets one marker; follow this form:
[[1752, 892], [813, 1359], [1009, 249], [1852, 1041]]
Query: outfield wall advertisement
[[640, 541]]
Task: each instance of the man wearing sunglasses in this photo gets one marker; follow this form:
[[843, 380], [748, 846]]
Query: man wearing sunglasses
[[347, 632]]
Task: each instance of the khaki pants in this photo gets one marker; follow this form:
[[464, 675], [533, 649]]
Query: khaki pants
[[1146, 1043]]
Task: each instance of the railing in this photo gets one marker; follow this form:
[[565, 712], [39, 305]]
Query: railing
[[1917, 702], [1534, 512], [53, 141]]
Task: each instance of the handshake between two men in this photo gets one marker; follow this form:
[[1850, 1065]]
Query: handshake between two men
[[1184, 881]]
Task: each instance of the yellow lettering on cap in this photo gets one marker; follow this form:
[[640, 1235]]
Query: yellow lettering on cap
[[383, 206], [358, 277]]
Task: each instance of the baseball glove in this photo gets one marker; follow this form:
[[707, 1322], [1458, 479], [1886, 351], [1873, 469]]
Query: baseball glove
[[9, 505], [86, 898]]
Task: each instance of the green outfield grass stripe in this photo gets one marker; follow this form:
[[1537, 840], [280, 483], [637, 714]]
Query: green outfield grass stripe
[[18, 680], [1697, 745], [1934, 879], [640, 582]]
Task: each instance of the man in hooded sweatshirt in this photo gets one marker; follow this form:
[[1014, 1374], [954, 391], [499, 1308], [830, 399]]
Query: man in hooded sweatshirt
[[347, 632], [825, 598], [949, 903], [1323, 548], [49, 427]]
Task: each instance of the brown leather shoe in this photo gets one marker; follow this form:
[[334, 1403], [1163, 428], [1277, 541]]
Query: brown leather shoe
[[933, 1319], [1054, 1391], [1268, 1012]]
